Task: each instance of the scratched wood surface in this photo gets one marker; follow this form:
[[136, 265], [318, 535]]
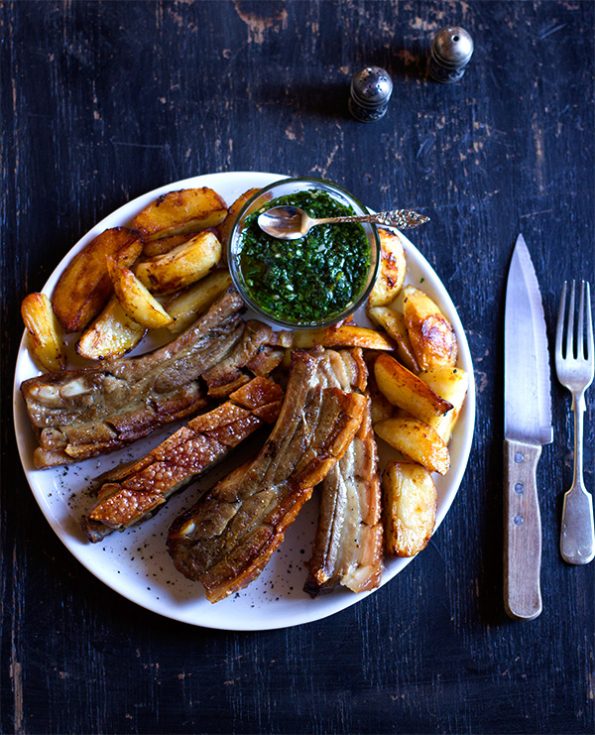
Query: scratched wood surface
[[103, 101]]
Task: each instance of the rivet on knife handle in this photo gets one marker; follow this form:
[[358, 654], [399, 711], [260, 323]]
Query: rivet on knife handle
[[522, 531]]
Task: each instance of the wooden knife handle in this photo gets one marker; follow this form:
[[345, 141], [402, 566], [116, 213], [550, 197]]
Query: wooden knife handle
[[522, 531]]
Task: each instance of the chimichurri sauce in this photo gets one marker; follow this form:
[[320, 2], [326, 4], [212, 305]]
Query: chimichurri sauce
[[309, 279]]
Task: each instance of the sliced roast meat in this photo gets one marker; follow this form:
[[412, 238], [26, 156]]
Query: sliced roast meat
[[227, 538], [348, 546], [132, 492], [82, 413]]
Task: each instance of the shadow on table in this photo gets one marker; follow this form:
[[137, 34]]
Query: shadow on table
[[491, 575]]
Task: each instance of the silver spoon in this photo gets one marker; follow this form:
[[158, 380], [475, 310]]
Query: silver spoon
[[291, 223]]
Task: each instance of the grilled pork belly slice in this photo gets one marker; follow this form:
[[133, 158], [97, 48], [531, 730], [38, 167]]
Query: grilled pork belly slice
[[348, 546], [129, 494], [228, 537], [82, 413]]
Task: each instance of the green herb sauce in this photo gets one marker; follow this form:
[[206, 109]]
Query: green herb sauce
[[310, 279]]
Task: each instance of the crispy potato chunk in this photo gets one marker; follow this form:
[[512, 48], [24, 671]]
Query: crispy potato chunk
[[407, 391], [394, 324], [391, 273], [226, 226], [165, 244], [135, 299], [410, 500], [187, 306], [431, 334], [380, 407], [182, 266], [85, 286], [416, 440], [344, 336], [112, 334], [451, 384], [178, 212], [44, 332]]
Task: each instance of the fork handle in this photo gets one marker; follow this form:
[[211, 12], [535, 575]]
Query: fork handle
[[522, 531], [577, 535]]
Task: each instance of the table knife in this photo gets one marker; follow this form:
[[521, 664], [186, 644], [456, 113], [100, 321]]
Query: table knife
[[527, 427]]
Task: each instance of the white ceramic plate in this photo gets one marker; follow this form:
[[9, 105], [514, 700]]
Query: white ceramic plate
[[136, 563]]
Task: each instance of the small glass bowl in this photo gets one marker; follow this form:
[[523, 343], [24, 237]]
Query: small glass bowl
[[292, 186]]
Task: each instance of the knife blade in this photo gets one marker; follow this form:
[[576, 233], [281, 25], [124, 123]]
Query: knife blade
[[527, 427]]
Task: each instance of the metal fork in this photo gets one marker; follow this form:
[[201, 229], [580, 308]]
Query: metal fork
[[575, 363]]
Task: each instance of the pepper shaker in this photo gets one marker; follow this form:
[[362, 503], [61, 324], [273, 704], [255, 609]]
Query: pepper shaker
[[452, 49], [371, 89]]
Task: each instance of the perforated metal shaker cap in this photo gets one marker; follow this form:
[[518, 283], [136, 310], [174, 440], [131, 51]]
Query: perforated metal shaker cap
[[452, 49], [371, 89]]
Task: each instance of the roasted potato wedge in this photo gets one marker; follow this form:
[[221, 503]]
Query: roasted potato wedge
[[381, 407], [178, 212], [452, 385], [226, 226], [394, 324], [182, 266], [344, 336], [135, 299], [416, 440], [45, 339], [187, 306], [431, 334], [391, 273], [112, 334], [405, 390], [159, 247], [409, 499], [85, 286]]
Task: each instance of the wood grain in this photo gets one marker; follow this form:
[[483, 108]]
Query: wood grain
[[102, 101], [522, 531]]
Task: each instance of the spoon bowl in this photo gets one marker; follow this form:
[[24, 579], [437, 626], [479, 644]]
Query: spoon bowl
[[285, 223]]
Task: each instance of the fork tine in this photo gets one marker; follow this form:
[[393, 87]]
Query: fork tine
[[560, 324], [570, 326], [580, 339], [589, 325]]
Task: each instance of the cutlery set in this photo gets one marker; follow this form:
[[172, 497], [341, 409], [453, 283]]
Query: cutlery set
[[528, 427]]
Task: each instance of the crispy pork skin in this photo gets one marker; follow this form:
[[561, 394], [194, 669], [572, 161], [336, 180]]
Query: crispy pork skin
[[82, 413], [348, 546], [227, 538], [128, 494]]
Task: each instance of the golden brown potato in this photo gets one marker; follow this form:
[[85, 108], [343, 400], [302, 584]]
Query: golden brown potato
[[407, 391], [344, 336], [391, 273], [112, 334], [394, 324], [135, 299], [182, 266], [44, 333], [409, 499], [187, 306], [381, 407], [451, 384], [85, 286], [165, 244], [431, 334], [416, 440], [178, 212], [226, 226]]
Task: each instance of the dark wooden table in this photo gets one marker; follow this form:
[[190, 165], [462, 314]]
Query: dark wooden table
[[104, 101]]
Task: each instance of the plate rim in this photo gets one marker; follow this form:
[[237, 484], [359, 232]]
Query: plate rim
[[342, 602]]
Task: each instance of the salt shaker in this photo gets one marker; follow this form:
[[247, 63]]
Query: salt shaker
[[371, 89], [452, 49]]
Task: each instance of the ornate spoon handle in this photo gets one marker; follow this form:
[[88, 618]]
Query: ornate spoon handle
[[404, 219]]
